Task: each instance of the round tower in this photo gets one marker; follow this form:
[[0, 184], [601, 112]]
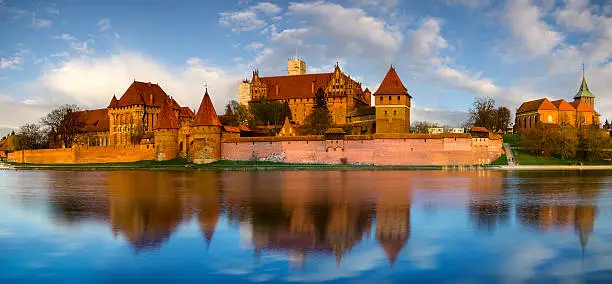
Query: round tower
[[205, 146]]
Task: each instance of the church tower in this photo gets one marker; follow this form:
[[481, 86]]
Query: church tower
[[584, 95], [296, 67], [392, 102], [166, 134], [206, 133]]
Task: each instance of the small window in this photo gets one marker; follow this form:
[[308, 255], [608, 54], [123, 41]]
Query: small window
[[398, 98], [385, 112], [389, 98], [394, 112]]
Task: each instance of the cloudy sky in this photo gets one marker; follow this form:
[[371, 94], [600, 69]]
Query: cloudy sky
[[446, 51]]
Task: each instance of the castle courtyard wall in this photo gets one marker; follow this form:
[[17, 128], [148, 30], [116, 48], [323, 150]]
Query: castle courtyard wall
[[411, 150], [84, 155]]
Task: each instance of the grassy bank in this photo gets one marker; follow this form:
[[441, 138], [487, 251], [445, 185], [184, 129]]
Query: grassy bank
[[528, 159], [183, 165], [502, 161]]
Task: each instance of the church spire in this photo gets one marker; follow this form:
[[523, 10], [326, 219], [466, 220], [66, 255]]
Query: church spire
[[584, 91]]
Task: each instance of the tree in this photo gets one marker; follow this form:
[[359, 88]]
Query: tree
[[32, 136], [421, 126], [269, 112], [319, 119], [566, 143], [594, 142], [63, 124], [482, 113], [501, 116]]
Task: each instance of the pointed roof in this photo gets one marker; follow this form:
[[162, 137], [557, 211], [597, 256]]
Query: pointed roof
[[167, 118], [581, 106], [141, 93], [535, 105], [367, 90], [584, 92], [207, 116], [392, 248], [563, 105], [113, 102], [392, 85]]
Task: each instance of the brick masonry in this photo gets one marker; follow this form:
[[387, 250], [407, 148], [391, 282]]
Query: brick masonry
[[84, 155]]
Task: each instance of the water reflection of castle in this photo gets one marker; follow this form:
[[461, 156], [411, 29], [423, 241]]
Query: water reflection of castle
[[329, 213]]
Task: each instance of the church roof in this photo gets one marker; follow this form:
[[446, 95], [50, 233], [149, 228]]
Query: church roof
[[392, 85], [581, 106], [563, 105], [167, 118], [535, 105], [186, 112], [96, 120], [207, 116], [584, 92], [141, 93]]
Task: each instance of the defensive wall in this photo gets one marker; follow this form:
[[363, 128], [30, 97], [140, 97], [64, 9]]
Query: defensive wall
[[378, 149], [84, 155]]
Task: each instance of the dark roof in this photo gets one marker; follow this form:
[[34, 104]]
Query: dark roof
[[141, 93], [362, 111], [94, 120], [584, 92], [296, 86], [207, 116], [391, 85], [535, 105], [167, 118]]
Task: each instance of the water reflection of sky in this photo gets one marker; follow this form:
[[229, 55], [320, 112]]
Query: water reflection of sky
[[474, 227]]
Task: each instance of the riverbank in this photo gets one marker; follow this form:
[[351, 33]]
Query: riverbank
[[183, 165]]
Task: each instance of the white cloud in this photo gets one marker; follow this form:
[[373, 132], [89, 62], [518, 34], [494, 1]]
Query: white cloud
[[525, 259], [349, 29], [291, 36], [427, 40], [104, 76], [41, 23], [13, 62], [250, 19], [469, 3], [254, 45], [527, 26], [81, 47], [265, 55], [65, 37], [576, 15], [104, 24], [52, 10]]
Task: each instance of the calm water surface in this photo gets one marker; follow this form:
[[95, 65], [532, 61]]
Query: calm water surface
[[305, 226]]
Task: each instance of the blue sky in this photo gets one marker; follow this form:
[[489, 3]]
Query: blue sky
[[447, 52]]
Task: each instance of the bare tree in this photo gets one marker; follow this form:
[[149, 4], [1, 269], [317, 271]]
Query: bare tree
[[64, 124], [32, 136], [421, 126]]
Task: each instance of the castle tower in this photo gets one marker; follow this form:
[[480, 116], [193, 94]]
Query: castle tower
[[244, 92], [296, 67], [584, 95], [206, 133], [392, 102], [166, 134]]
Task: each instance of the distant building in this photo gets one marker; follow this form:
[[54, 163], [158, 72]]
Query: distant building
[[296, 67], [435, 130], [456, 130], [580, 112]]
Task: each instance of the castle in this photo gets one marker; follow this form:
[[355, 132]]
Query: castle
[[145, 123], [580, 112]]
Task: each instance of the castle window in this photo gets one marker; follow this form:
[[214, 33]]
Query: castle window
[[389, 98], [394, 112], [550, 118], [398, 98], [385, 112]]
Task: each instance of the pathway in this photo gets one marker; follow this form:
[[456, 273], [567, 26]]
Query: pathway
[[509, 155]]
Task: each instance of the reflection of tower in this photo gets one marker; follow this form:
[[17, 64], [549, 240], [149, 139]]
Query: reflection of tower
[[393, 227], [584, 223]]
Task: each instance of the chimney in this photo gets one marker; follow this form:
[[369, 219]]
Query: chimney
[[312, 87], [277, 90], [151, 98], [149, 84]]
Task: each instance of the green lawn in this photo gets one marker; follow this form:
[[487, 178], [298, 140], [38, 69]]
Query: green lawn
[[512, 139], [528, 159], [502, 161]]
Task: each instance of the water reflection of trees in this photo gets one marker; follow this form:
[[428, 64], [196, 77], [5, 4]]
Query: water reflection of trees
[[566, 202]]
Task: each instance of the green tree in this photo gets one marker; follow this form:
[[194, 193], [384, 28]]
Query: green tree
[[319, 120], [421, 126], [594, 142], [566, 143], [269, 112]]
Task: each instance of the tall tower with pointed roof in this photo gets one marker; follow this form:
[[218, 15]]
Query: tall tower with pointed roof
[[166, 133], [584, 94], [392, 102], [206, 133]]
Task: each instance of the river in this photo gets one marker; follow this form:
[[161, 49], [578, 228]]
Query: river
[[481, 226]]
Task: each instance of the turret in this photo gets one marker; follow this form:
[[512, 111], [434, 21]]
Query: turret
[[166, 134], [584, 94], [206, 133], [392, 102]]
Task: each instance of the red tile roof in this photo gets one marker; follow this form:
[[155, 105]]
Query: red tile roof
[[479, 129], [113, 102], [535, 105], [207, 116], [94, 120], [232, 129], [391, 85], [296, 86], [581, 106], [167, 118], [141, 93], [186, 112], [563, 105]]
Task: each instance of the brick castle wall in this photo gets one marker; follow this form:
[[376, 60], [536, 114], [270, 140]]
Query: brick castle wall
[[84, 155], [433, 150]]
